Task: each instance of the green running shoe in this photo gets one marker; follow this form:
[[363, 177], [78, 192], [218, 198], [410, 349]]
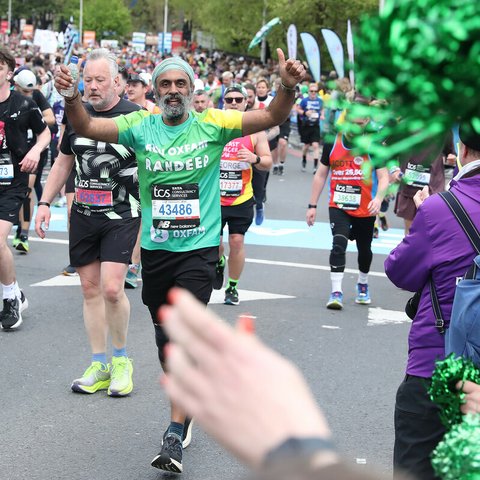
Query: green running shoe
[[96, 377], [15, 242], [121, 382], [22, 245]]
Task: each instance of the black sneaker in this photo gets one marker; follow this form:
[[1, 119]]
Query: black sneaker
[[23, 302], [69, 271], [304, 165], [384, 223], [187, 432], [275, 170], [231, 296], [11, 316], [280, 169], [170, 456], [218, 280]]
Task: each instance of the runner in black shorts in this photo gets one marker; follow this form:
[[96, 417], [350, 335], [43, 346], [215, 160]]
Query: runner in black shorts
[[283, 146], [179, 156], [310, 109], [236, 191], [18, 158], [104, 223]]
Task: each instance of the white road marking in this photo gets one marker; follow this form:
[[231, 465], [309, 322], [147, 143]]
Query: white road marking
[[331, 327], [380, 316], [45, 240], [247, 295], [308, 266], [217, 295], [361, 461], [60, 281]]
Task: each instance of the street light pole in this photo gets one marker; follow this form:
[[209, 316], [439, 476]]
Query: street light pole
[[9, 17], [165, 26], [263, 53], [80, 23]]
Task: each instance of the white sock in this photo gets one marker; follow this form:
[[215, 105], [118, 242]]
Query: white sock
[[18, 294], [362, 277], [336, 279], [9, 291]]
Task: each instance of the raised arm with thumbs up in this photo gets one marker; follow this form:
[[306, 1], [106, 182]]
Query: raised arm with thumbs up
[[291, 72]]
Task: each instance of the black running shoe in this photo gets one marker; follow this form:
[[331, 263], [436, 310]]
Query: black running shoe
[[218, 280], [280, 169], [384, 223], [187, 432], [10, 316], [231, 296], [69, 271], [170, 456]]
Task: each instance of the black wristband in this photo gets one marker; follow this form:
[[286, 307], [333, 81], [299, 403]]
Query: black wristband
[[311, 206], [43, 203], [299, 447], [258, 160], [287, 89]]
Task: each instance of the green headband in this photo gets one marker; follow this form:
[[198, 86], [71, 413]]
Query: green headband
[[173, 63]]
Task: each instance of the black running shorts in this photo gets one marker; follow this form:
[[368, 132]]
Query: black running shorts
[[285, 130], [97, 237], [161, 270], [310, 134], [11, 200], [238, 217]]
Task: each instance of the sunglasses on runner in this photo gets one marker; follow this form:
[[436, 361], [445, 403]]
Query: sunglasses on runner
[[230, 100]]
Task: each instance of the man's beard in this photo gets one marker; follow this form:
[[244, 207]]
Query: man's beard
[[175, 112]]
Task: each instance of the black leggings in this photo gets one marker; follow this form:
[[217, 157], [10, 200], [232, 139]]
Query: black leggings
[[259, 185], [346, 227]]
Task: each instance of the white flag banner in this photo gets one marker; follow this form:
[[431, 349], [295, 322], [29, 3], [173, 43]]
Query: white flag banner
[[350, 50], [312, 53], [335, 49], [292, 41]]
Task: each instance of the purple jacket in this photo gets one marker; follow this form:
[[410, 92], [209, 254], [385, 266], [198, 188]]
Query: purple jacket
[[436, 246]]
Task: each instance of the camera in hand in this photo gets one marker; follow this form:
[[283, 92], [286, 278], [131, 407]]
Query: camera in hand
[[412, 305]]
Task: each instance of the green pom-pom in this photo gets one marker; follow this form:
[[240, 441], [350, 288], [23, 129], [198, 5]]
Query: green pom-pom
[[443, 389], [457, 456], [423, 56]]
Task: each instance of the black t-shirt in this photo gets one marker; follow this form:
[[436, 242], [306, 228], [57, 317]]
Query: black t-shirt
[[18, 115], [40, 100], [106, 181]]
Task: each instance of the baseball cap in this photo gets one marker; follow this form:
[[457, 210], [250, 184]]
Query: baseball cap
[[236, 88], [147, 77], [26, 79], [469, 137], [135, 77]]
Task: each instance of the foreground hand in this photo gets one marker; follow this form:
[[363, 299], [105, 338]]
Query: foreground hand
[[421, 196], [472, 397], [249, 398], [291, 71]]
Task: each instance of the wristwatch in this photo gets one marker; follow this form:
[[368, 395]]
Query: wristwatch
[[295, 447], [311, 206], [258, 160]]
